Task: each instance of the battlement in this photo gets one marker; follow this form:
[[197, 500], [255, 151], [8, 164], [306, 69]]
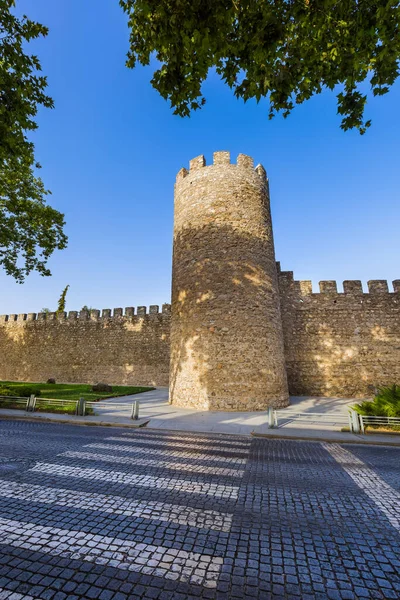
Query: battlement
[[376, 287], [222, 158], [92, 315]]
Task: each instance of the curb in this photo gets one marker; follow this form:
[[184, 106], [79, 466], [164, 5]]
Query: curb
[[71, 422], [368, 442]]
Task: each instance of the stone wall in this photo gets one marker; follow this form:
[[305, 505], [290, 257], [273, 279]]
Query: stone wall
[[226, 333], [119, 348], [340, 344]]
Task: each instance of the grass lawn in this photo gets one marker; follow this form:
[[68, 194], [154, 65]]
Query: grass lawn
[[74, 391]]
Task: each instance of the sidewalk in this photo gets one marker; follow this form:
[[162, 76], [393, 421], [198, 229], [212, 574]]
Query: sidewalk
[[156, 413]]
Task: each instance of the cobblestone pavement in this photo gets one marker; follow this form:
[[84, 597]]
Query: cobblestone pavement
[[117, 514]]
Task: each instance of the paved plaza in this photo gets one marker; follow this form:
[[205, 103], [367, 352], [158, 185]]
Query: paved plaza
[[113, 514]]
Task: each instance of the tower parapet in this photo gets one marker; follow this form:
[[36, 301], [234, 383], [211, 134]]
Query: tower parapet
[[226, 333]]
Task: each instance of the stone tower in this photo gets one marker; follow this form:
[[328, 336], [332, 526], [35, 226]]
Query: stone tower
[[226, 333]]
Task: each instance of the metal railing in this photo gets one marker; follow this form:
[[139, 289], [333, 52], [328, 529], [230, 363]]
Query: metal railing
[[366, 420], [274, 416], [80, 406]]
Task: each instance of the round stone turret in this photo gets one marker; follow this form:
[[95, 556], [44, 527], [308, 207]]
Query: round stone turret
[[226, 334]]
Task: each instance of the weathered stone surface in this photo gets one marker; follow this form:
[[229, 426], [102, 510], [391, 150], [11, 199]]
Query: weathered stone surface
[[226, 338]]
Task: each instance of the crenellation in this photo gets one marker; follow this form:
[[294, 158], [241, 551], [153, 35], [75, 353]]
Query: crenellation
[[304, 287], [182, 174], [328, 287], [245, 162], [352, 287], [197, 163], [166, 309], [378, 286], [261, 172], [222, 158], [13, 317], [21, 317]]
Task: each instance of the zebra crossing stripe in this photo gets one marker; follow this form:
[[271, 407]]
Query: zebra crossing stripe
[[186, 438], [165, 464], [381, 493], [123, 554], [159, 483], [167, 444], [10, 595], [171, 454], [159, 511]]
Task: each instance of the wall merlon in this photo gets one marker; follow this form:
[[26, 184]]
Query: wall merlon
[[3, 318], [182, 174], [72, 315], [84, 315], [12, 317], [305, 287], [118, 312], [245, 162], [141, 311], [261, 171], [328, 287], [129, 311], [166, 309], [106, 313], [197, 163], [21, 317], [221, 158], [41, 316], [396, 286], [94, 314], [154, 309], [31, 317], [61, 316], [378, 286], [352, 287], [286, 276]]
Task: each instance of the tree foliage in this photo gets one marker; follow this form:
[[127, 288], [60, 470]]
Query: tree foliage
[[62, 300], [286, 50], [30, 230]]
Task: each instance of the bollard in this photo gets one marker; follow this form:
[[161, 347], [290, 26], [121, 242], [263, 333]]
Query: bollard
[[271, 419], [355, 422], [81, 408], [135, 410]]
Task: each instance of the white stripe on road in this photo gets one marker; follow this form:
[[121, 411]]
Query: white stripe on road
[[169, 453], [159, 511], [148, 559], [165, 464], [10, 595], [381, 493], [159, 483], [169, 438], [240, 451]]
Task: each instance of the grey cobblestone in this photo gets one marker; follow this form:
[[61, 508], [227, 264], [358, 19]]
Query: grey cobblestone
[[191, 516]]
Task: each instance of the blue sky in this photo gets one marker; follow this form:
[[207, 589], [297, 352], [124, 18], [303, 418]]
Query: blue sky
[[111, 148]]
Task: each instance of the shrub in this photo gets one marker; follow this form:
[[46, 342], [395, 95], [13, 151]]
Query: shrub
[[385, 404], [102, 387], [5, 391], [24, 390]]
